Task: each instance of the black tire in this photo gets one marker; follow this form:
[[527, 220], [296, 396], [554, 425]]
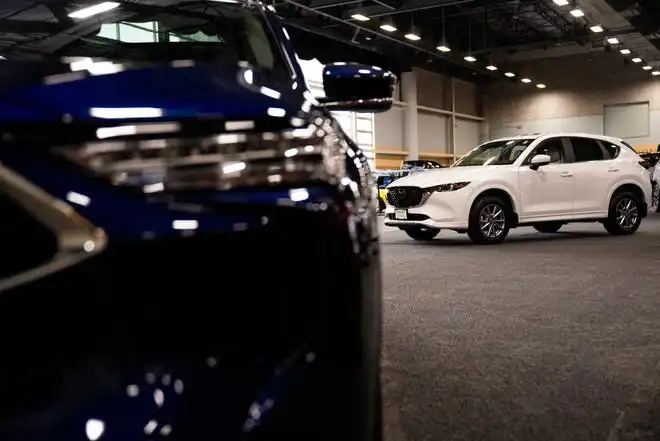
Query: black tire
[[548, 227], [623, 203], [422, 233], [489, 206]]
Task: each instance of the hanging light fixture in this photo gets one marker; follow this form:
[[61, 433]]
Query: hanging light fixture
[[413, 34], [388, 25], [442, 45]]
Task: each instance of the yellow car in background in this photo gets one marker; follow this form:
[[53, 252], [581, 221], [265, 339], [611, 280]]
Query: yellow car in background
[[382, 180]]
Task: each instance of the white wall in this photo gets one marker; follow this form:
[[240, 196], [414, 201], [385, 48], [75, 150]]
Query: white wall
[[578, 89], [389, 129], [432, 132]]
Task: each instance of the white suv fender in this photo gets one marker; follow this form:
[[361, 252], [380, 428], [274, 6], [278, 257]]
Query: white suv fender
[[645, 187], [497, 185]]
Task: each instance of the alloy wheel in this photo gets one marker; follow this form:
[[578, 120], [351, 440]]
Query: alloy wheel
[[627, 213], [492, 221]]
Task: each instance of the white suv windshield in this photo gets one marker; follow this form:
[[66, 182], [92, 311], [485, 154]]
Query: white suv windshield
[[495, 153]]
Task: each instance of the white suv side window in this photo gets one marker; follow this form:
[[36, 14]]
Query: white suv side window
[[552, 147], [586, 149]]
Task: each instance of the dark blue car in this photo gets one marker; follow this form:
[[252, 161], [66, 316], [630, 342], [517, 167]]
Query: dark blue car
[[189, 239]]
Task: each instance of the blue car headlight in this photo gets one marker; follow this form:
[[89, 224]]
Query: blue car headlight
[[447, 187], [160, 157]]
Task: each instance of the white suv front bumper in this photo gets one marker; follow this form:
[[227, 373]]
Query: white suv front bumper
[[444, 210]]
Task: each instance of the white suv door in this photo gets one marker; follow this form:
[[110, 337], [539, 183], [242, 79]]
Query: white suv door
[[594, 174], [547, 192]]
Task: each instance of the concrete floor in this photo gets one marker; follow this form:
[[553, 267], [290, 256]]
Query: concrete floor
[[545, 337]]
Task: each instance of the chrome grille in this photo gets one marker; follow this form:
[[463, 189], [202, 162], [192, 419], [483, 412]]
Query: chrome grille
[[405, 197]]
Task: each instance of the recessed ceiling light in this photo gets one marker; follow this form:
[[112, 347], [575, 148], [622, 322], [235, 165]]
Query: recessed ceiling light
[[613, 40], [560, 2], [625, 51], [541, 86], [94, 10], [443, 48], [596, 29], [510, 74], [470, 59], [388, 27], [577, 13], [526, 80], [655, 73], [360, 17], [491, 67], [412, 36], [647, 67], [636, 60]]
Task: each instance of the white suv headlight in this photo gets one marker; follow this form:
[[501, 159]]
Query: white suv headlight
[[447, 187]]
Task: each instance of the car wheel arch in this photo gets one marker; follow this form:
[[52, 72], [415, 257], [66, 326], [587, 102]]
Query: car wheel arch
[[503, 194], [632, 187]]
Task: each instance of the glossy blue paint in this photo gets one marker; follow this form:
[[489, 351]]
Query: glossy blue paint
[[354, 70], [204, 89]]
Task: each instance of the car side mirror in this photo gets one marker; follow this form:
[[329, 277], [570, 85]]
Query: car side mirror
[[357, 87], [539, 161]]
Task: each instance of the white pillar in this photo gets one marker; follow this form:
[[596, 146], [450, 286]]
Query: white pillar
[[409, 96]]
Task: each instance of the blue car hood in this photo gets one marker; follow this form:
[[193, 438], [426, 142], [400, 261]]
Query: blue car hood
[[193, 90]]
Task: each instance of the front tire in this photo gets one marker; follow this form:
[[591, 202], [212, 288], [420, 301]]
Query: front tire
[[422, 233], [548, 227], [381, 205], [489, 221], [624, 216]]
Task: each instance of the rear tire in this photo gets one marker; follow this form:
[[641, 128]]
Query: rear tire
[[489, 221], [422, 233], [624, 216], [548, 227]]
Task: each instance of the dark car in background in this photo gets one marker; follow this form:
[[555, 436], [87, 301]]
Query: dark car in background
[[412, 166], [190, 240]]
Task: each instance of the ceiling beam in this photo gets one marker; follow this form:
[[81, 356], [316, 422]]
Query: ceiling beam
[[376, 11], [562, 41], [29, 27]]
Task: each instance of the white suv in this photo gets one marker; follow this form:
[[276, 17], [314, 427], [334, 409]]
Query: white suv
[[544, 181]]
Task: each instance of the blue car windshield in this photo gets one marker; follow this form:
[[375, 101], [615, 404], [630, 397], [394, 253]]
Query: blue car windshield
[[133, 33], [495, 153]]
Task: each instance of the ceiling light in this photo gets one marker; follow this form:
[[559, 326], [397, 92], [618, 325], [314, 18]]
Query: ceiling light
[[625, 51], [510, 74], [526, 80], [636, 60], [596, 29], [647, 67], [388, 27], [491, 67], [94, 10], [613, 40], [560, 2], [470, 59], [577, 13], [360, 17], [443, 48], [412, 36], [541, 86], [655, 73]]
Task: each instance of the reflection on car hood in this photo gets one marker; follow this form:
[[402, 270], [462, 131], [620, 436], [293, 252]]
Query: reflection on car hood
[[40, 92], [429, 178]]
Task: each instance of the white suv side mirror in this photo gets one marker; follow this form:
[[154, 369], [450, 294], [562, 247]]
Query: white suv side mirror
[[539, 161]]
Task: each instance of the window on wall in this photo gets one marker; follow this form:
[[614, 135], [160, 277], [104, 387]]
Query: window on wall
[[137, 32]]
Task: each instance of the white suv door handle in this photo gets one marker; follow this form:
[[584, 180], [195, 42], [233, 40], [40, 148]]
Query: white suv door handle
[[566, 175], [612, 170]]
